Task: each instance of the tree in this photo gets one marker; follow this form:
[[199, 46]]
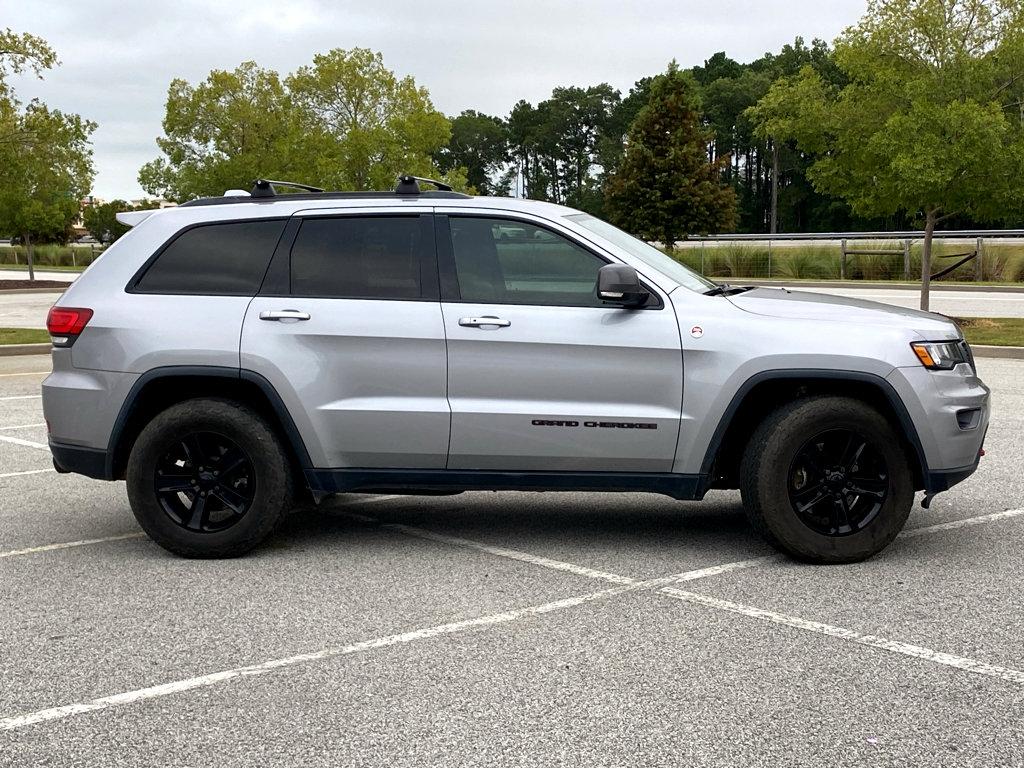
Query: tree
[[230, 129], [101, 220], [666, 187], [45, 156], [45, 177], [479, 144], [930, 122], [364, 125]]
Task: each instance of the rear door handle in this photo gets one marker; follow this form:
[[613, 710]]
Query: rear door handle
[[486, 320], [284, 315]]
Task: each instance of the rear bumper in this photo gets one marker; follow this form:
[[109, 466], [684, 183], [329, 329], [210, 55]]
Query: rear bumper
[[78, 459]]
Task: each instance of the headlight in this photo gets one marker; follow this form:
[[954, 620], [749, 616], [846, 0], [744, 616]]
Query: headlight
[[941, 356]]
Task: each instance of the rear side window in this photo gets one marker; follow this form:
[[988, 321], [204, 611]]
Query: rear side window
[[358, 257], [226, 259]]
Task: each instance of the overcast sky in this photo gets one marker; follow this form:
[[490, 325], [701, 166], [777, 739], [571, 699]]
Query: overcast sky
[[117, 58]]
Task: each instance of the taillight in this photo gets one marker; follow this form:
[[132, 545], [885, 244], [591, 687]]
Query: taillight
[[66, 323]]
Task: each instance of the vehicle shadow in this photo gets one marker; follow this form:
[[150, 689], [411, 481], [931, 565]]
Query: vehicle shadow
[[540, 520]]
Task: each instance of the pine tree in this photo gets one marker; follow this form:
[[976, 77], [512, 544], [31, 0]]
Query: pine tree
[[667, 187]]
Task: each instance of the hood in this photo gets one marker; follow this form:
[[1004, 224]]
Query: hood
[[783, 303]]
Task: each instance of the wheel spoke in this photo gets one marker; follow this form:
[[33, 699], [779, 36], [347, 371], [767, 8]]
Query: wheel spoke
[[231, 498], [866, 489], [193, 450], [173, 482], [851, 459], [823, 494], [232, 460], [199, 514]]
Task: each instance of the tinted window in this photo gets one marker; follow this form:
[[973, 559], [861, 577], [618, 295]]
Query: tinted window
[[226, 259], [498, 260], [368, 257]]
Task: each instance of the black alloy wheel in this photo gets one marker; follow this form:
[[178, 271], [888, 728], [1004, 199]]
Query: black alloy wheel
[[205, 483], [838, 483]]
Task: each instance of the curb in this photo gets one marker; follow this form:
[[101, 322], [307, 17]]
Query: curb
[[53, 290], [798, 284], [42, 348]]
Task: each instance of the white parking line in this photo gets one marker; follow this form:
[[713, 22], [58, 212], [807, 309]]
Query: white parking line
[[951, 525], [19, 397], [65, 545], [26, 373], [899, 647], [27, 472], [22, 427], [162, 690], [23, 442]]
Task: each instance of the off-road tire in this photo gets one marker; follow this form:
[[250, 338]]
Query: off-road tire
[[275, 485], [767, 462]]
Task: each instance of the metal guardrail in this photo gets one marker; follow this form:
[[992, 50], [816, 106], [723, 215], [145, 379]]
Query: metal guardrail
[[890, 235], [841, 239]]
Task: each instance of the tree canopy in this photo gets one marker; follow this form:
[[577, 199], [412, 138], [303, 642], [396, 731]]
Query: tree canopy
[[666, 186], [929, 121], [345, 122]]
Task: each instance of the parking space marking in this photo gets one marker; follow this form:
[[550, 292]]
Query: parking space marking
[[27, 472], [877, 642], [23, 442], [65, 545], [19, 397], [25, 373], [22, 427], [963, 523], [163, 690]]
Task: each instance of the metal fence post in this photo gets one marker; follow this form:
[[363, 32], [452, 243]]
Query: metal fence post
[[842, 261], [769, 257], [980, 266], [906, 259], [702, 272]]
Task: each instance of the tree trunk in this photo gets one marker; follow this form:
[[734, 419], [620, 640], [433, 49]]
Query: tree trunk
[[775, 188], [931, 216], [30, 252]]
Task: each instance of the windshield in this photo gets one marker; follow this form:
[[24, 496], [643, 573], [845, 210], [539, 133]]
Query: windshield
[[645, 252]]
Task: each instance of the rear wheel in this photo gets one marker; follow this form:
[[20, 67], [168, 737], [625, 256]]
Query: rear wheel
[[826, 480], [209, 479]]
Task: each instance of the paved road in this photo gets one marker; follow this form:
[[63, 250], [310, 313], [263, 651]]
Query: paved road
[[40, 275], [963, 304], [506, 628], [29, 310]]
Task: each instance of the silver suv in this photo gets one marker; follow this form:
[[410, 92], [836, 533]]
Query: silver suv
[[237, 355]]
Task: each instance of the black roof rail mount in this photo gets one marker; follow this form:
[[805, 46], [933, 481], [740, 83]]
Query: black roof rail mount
[[408, 185], [264, 188]]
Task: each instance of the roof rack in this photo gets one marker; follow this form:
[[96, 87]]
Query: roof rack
[[407, 185], [263, 192], [264, 188]]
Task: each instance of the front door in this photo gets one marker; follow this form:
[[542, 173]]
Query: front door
[[541, 375]]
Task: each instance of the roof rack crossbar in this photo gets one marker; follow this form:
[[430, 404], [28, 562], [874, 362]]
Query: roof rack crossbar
[[264, 188], [407, 185]]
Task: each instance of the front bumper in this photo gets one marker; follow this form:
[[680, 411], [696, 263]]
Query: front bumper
[[950, 412]]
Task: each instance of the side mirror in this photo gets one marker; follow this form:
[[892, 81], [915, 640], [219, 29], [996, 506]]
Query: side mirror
[[619, 284]]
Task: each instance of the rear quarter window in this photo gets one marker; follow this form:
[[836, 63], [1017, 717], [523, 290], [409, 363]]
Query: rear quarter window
[[224, 259]]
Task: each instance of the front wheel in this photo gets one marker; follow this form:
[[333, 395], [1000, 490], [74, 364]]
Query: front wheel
[[209, 478], [826, 479]]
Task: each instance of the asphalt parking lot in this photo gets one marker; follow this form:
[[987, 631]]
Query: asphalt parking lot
[[506, 628]]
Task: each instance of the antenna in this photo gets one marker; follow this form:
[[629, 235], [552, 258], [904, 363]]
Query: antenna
[[407, 185]]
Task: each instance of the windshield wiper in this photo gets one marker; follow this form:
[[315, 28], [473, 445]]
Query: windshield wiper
[[724, 289]]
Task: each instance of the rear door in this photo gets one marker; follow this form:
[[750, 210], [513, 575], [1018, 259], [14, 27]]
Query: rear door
[[348, 330], [541, 375]]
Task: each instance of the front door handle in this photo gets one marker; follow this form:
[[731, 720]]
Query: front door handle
[[486, 320], [285, 315]]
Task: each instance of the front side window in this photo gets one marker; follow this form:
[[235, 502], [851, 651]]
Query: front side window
[[358, 257], [512, 262], [226, 259]]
